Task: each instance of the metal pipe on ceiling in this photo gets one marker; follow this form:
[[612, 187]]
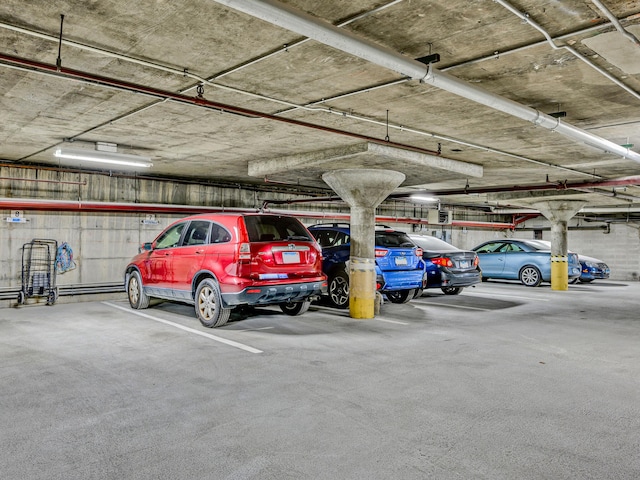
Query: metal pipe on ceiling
[[615, 182], [614, 20], [313, 105], [39, 67], [297, 21], [525, 19]]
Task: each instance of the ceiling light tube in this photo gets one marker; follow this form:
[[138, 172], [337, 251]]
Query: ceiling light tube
[[424, 198], [97, 156]]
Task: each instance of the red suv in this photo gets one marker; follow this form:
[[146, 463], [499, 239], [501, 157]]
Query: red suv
[[219, 261]]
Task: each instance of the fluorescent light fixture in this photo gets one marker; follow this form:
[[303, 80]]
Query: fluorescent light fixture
[[110, 158], [424, 198]]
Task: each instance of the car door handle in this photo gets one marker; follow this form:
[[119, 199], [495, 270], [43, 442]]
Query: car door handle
[[199, 252]]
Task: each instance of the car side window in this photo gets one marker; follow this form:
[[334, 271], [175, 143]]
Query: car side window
[[219, 234], [197, 233], [489, 248], [324, 238], [516, 248], [171, 237], [341, 239], [504, 248]]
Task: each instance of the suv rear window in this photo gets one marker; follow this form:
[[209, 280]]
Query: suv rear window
[[393, 239], [267, 228]]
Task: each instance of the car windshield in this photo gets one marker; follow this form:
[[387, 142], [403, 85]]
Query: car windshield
[[393, 239], [265, 228]]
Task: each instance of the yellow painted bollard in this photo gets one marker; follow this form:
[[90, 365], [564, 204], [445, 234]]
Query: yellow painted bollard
[[559, 272], [362, 287]]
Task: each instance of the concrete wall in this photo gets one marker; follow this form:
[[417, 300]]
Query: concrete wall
[[103, 243]]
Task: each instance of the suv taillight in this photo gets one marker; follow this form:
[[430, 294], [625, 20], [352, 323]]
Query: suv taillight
[[244, 253], [419, 252], [381, 252], [244, 260]]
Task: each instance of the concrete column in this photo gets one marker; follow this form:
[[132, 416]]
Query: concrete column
[[363, 190], [559, 212]]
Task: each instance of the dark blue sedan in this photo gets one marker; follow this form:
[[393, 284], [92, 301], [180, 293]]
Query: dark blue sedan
[[592, 269], [449, 268]]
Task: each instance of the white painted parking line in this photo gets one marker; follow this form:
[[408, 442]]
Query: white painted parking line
[[449, 305], [231, 343], [253, 329], [381, 319]]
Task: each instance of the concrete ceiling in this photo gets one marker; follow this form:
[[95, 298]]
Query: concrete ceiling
[[278, 108]]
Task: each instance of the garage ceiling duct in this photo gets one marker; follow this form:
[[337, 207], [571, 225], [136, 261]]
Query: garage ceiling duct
[[297, 21]]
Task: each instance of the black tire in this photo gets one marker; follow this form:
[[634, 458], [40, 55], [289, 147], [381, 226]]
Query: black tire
[[52, 297], [573, 281], [22, 298], [135, 291], [401, 296], [530, 276], [419, 292], [451, 290], [208, 304], [295, 308], [339, 290]]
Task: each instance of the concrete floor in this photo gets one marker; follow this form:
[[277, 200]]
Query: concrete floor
[[500, 382]]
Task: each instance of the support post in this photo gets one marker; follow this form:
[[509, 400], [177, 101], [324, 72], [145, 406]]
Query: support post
[[559, 212], [362, 190]]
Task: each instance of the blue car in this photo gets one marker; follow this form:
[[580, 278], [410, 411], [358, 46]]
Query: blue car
[[592, 269], [400, 270], [526, 260]]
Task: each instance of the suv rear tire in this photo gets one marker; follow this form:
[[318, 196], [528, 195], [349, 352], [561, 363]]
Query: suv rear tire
[[451, 290], [295, 308], [339, 289], [401, 296], [208, 304]]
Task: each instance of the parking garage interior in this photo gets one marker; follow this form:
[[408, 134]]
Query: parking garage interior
[[468, 121]]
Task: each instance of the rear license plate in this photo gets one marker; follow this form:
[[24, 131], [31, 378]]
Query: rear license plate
[[290, 257], [464, 264], [401, 261]]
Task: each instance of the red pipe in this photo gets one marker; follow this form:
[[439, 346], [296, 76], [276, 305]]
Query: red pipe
[[199, 101], [617, 182], [80, 206]]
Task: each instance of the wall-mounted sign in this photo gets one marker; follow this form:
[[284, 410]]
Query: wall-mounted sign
[[150, 220], [17, 216]]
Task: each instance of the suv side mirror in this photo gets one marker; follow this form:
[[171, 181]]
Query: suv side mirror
[[147, 246]]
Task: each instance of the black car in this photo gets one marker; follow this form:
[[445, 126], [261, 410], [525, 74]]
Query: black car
[[456, 268]]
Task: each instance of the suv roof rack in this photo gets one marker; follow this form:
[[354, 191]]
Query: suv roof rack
[[335, 224]]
